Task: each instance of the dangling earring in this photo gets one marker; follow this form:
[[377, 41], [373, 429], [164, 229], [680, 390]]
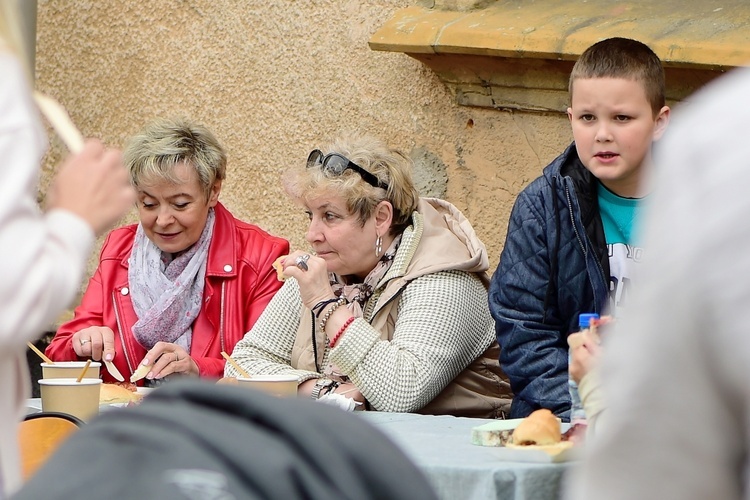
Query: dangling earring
[[378, 246]]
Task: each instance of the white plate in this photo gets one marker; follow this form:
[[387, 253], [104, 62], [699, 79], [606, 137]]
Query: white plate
[[520, 454], [532, 455], [106, 406]]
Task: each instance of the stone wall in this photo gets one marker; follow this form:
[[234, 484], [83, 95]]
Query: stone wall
[[275, 79]]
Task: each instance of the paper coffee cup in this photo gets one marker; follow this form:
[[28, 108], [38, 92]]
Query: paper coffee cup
[[70, 369], [283, 386], [65, 395]]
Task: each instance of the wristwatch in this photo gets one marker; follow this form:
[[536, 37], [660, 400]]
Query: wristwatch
[[319, 385]]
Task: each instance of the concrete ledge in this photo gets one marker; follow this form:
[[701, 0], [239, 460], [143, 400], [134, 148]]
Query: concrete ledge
[[518, 54]]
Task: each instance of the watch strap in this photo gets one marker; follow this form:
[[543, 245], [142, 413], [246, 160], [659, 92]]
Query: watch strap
[[321, 382]]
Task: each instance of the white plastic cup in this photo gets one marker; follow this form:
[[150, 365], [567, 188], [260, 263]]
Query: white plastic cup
[[282, 386], [66, 395]]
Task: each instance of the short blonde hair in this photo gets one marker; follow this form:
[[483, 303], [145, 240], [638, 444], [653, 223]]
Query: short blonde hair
[[164, 143], [389, 166]]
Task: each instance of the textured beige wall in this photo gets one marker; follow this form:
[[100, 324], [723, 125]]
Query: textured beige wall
[[275, 79]]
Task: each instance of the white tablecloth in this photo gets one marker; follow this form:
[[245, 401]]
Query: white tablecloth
[[441, 447]]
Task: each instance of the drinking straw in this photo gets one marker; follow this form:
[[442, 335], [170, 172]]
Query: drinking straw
[[236, 366], [83, 372]]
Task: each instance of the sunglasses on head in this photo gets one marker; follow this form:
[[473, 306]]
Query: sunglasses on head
[[336, 164]]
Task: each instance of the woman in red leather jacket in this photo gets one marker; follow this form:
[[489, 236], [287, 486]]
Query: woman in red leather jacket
[[185, 284]]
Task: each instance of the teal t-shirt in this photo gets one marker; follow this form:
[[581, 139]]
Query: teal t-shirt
[[620, 217]]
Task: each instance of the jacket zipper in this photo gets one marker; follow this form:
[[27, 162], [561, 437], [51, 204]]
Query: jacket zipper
[[580, 241], [221, 318], [573, 222], [119, 331], [376, 308]]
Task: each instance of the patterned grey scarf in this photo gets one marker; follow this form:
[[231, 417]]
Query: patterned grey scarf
[[167, 295]]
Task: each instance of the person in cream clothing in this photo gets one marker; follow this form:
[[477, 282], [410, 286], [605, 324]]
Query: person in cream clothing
[[42, 254]]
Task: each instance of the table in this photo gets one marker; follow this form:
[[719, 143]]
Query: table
[[441, 447], [33, 405]]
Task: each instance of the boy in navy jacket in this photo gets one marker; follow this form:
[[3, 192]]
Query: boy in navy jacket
[[572, 245]]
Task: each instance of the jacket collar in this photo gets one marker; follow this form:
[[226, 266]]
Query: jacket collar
[[222, 254], [439, 239], [569, 166]]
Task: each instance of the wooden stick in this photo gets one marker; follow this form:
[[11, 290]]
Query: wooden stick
[[236, 366], [60, 121], [83, 372], [39, 353]]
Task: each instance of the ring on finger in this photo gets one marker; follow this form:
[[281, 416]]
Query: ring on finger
[[85, 341], [177, 356], [301, 261]]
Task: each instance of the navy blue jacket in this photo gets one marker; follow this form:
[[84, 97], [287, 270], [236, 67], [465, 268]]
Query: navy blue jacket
[[554, 265]]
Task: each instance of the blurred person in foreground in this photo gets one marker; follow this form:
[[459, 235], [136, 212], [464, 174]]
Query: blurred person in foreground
[[674, 372], [583, 368], [175, 290], [42, 254], [390, 311]]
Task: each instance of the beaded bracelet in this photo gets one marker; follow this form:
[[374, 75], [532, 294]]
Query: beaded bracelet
[[341, 301], [318, 308], [341, 331]]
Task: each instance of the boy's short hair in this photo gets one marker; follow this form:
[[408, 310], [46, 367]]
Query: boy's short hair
[[623, 58]]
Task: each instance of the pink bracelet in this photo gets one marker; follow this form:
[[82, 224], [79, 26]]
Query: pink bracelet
[[341, 331]]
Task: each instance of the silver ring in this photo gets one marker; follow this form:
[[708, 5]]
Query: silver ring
[[301, 261], [85, 341], [176, 356]]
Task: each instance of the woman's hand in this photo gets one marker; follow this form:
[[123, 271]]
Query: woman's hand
[[584, 356], [351, 391], [347, 389], [93, 342], [166, 359], [314, 284]]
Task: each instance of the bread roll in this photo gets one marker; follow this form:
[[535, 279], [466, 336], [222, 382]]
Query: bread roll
[[140, 372], [114, 393], [539, 428], [280, 268]]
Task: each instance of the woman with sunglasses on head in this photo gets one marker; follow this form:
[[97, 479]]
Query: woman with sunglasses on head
[[389, 310], [176, 290]]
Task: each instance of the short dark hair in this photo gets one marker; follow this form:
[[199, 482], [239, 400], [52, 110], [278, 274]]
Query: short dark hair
[[623, 58]]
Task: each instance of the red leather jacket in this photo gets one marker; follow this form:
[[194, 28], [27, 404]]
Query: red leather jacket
[[240, 281]]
